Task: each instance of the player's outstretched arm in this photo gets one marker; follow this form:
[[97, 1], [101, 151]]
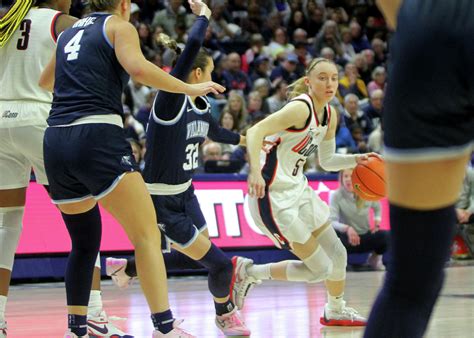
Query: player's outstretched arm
[[127, 49]]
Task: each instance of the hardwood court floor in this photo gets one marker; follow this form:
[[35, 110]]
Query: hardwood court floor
[[274, 309]]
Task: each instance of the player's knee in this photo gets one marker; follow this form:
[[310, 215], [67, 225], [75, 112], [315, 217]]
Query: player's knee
[[319, 266], [10, 231]]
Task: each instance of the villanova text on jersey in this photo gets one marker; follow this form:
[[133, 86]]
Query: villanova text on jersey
[[197, 128]]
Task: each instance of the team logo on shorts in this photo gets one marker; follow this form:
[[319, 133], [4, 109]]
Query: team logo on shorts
[[8, 114]]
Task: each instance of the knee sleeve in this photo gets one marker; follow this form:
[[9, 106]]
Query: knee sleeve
[[220, 271], [85, 231], [314, 269], [336, 252], [10, 230]]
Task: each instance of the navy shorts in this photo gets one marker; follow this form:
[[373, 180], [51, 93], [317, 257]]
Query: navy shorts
[[86, 160], [180, 218], [429, 103]]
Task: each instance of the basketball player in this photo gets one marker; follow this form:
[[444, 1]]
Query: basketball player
[[282, 203], [177, 126], [24, 106], [88, 159], [429, 135]]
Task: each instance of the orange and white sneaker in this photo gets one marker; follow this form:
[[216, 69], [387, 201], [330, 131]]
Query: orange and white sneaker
[[115, 268], [232, 325], [177, 332], [242, 282], [101, 326], [347, 316], [3, 329]]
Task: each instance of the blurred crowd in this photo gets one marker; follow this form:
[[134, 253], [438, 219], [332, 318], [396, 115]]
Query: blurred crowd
[[259, 47]]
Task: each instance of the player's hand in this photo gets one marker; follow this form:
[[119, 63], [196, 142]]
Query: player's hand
[[365, 157], [375, 229], [199, 8], [204, 88], [256, 185], [354, 238]]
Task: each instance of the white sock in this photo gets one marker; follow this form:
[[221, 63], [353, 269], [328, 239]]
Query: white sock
[[3, 304], [336, 303], [260, 271], [95, 303]]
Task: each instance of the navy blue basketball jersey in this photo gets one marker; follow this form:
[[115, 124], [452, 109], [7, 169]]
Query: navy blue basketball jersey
[[89, 80], [173, 146]]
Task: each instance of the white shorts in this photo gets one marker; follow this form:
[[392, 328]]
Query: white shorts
[[301, 215], [21, 149]]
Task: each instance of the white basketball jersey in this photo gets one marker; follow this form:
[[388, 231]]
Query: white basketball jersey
[[283, 165], [22, 59]]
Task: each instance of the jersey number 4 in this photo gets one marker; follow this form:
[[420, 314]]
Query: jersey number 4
[[192, 151], [73, 46]]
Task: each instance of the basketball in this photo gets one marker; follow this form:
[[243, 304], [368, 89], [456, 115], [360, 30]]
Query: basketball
[[368, 179]]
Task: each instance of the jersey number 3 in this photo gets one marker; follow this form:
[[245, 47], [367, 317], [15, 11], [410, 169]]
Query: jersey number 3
[[192, 151], [73, 46], [25, 27]]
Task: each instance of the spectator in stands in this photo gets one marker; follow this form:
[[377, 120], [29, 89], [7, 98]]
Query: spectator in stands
[[278, 99], [261, 68], [359, 39], [378, 80], [345, 144], [315, 16], [236, 106], [173, 15], [380, 54], [134, 14], [329, 37], [349, 215], [350, 83], [234, 77], [221, 23], [279, 44], [286, 70], [353, 116], [374, 109], [139, 94], [254, 108], [297, 21], [369, 56], [360, 139], [363, 70], [252, 54], [347, 48]]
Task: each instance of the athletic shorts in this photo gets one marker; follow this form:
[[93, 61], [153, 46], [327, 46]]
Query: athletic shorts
[[21, 149], [292, 223], [86, 160], [180, 218], [429, 103]]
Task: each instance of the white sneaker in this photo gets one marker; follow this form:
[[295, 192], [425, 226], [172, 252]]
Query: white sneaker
[[375, 262], [3, 329], [232, 325], [69, 334], [242, 282], [347, 316], [115, 268], [177, 332], [101, 326]]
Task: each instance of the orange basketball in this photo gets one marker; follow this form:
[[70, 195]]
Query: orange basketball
[[368, 179]]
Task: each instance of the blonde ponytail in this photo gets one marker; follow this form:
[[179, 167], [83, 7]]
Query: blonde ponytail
[[12, 19], [299, 86], [164, 40]]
